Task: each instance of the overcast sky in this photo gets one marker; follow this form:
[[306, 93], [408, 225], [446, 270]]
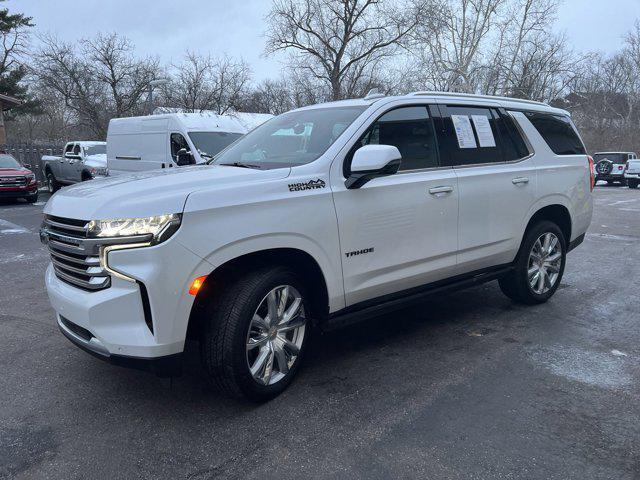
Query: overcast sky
[[166, 28]]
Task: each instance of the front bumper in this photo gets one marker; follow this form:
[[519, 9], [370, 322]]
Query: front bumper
[[165, 366], [132, 321], [610, 177], [19, 192]]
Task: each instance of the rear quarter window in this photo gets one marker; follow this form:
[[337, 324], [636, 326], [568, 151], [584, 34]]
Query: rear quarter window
[[558, 132]]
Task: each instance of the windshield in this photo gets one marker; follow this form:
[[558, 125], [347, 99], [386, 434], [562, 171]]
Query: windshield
[[210, 143], [7, 161], [95, 150], [612, 157], [291, 139]]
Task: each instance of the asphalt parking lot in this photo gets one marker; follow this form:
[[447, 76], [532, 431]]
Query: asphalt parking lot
[[467, 386]]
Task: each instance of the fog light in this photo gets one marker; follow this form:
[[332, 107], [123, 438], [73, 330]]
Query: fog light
[[196, 285]]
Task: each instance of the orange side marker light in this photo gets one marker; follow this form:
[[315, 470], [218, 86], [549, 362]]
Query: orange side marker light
[[196, 285]]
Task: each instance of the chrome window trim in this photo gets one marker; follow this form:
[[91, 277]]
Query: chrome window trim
[[389, 108]]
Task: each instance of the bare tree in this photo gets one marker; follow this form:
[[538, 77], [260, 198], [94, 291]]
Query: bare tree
[[452, 43], [340, 42], [98, 80], [114, 66], [203, 83]]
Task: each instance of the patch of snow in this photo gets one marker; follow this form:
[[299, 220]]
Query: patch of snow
[[11, 228], [618, 353], [608, 236], [593, 368]]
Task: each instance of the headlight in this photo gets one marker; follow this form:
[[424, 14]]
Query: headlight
[[158, 228], [31, 178]]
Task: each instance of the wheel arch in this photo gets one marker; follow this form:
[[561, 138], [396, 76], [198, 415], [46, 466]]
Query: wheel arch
[[555, 211], [300, 261]]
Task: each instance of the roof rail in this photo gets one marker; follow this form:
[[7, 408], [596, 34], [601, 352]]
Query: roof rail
[[482, 97], [374, 93]]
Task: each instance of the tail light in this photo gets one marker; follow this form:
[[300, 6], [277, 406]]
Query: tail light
[[592, 172]]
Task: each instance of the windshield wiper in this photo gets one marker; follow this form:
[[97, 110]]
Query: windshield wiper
[[241, 165]]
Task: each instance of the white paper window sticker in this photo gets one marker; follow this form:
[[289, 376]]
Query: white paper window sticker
[[464, 131], [483, 129]]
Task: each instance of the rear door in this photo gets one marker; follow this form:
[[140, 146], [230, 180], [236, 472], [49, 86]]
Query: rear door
[[496, 181], [400, 231]]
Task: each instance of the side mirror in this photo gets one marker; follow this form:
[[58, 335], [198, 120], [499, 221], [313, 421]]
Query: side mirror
[[184, 158], [372, 161]]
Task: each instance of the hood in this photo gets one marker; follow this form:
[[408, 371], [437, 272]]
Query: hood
[[7, 172], [98, 160], [144, 194]]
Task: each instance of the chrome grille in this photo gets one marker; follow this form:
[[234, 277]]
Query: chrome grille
[[13, 181], [75, 258]]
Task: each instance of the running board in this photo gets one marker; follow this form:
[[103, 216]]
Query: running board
[[395, 301]]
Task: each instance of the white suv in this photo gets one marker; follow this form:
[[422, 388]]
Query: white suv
[[322, 215]]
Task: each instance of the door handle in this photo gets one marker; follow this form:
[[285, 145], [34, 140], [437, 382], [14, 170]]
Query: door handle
[[520, 180], [443, 189]]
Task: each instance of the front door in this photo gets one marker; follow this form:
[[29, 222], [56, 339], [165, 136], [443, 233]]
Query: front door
[[72, 161], [400, 231]]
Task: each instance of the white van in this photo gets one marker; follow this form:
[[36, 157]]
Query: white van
[[136, 144]]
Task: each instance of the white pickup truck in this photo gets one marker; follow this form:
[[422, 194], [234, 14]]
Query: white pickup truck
[[80, 161]]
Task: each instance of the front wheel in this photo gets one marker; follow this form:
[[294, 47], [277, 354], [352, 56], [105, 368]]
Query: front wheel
[[539, 266], [32, 198], [255, 334]]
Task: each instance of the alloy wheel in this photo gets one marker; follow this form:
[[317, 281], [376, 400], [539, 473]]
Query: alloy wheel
[[275, 335], [545, 261]]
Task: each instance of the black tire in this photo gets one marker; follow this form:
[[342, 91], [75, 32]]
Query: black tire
[[225, 328], [609, 182], [52, 183], [32, 198], [632, 184], [516, 285]]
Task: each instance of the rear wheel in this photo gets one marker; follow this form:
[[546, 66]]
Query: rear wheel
[[255, 334], [52, 184], [539, 266], [632, 183]]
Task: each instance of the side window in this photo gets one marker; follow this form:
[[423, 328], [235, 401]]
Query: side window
[[76, 149], [470, 136], [69, 148], [513, 145], [558, 132], [410, 129], [178, 142]]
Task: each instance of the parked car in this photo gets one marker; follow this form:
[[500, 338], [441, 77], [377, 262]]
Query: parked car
[[169, 140], [632, 172], [80, 161], [321, 216], [610, 166], [16, 180]]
